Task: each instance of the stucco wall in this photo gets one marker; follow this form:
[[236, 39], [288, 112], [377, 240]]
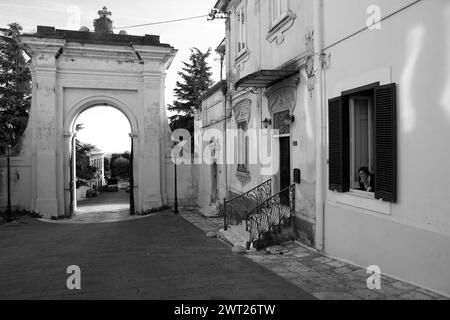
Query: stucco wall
[[187, 187], [411, 238], [20, 183]]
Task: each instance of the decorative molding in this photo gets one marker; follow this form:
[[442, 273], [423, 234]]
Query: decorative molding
[[283, 96], [241, 60], [309, 65], [242, 110], [276, 32]]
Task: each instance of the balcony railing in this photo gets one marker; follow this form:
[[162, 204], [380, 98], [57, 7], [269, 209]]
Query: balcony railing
[[235, 210], [271, 215]]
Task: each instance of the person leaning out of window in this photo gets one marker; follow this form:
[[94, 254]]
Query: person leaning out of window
[[366, 180]]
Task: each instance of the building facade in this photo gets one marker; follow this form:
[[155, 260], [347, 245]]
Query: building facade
[[97, 160], [358, 115]]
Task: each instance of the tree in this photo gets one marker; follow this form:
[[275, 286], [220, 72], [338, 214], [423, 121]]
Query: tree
[[15, 86], [120, 168], [84, 169], [196, 77], [221, 51]]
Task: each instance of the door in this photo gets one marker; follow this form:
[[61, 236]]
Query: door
[[285, 167], [214, 183], [131, 174]]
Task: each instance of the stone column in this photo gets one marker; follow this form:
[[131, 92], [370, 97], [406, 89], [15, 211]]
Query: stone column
[[69, 147], [150, 143], [44, 128], [137, 194]]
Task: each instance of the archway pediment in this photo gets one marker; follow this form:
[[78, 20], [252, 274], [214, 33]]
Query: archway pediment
[[283, 96], [242, 110]]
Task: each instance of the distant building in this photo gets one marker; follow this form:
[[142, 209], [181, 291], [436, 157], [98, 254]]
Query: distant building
[[97, 160]]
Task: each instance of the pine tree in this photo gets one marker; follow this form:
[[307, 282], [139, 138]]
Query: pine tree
[[197, 80], [15, 87]]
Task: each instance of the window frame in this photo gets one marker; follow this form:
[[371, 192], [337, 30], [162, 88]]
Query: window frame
[[371, 138], [243, 147], [386, 149], [275, 20], [241, 29]]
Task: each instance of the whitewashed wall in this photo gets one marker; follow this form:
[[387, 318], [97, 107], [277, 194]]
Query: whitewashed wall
[[409, 239]]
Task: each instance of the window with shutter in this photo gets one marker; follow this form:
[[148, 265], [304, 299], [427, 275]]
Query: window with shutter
[[386, 143], [362, 134], [338, 146]]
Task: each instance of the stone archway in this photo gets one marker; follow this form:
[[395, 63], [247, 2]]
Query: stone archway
[[75, 70], [69, 134]]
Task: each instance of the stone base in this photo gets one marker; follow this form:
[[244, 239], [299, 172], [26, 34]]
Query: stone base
[[305, 232], [210, 212], [236, 236], [48, 208]]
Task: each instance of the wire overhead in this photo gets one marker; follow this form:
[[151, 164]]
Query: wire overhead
[[161, 22]]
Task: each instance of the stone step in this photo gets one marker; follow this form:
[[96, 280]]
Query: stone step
[[210, 212], [236, 236]]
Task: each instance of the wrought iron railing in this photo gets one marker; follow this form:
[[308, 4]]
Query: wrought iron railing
[[272, 213], [235, 210]]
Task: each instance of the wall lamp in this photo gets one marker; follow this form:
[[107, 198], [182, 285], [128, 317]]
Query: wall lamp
[[267, 123]]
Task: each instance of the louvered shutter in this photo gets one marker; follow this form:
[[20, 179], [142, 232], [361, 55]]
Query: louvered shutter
[[386, 143], [339, 146]]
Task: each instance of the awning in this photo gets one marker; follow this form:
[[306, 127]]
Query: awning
[[264, 78]]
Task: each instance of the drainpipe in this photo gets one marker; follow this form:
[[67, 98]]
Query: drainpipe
[[320, 125], [227, 94]]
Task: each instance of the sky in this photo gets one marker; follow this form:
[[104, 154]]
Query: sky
[[65, 14], [110, 135]]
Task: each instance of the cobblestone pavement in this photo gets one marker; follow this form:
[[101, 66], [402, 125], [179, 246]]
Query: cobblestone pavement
[[323, 277], [158, 257]]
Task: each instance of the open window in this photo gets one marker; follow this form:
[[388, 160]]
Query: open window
[[363, 141], [362, 146]]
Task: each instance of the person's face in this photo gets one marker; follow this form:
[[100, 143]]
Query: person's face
[[363, 176]]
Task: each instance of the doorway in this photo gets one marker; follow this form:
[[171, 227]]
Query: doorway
[[101, 165], [285, 167], [214, 189]]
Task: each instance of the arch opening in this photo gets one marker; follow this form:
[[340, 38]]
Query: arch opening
[[101, 163]]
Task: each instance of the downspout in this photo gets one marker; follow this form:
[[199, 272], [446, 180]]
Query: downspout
[[227, 94], [320, 125]]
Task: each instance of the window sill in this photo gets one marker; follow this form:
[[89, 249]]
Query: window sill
[[280, 26], [360, 200]]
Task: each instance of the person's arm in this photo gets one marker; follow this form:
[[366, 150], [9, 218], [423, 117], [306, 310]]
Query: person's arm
[[371, 185]]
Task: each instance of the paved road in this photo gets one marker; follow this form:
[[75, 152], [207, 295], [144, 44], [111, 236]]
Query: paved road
[[158, 257], [105, 202]]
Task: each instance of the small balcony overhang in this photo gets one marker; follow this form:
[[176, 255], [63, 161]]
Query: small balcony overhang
[[265, 78]]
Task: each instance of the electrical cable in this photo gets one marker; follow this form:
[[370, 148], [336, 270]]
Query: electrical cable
[[161, 22]]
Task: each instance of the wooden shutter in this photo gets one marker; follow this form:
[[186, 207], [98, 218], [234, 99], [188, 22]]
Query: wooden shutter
[[386, 143], [339, 146]]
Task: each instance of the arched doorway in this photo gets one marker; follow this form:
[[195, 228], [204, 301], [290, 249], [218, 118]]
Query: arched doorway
[[101, 168], [70, 125], [70, 167]]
